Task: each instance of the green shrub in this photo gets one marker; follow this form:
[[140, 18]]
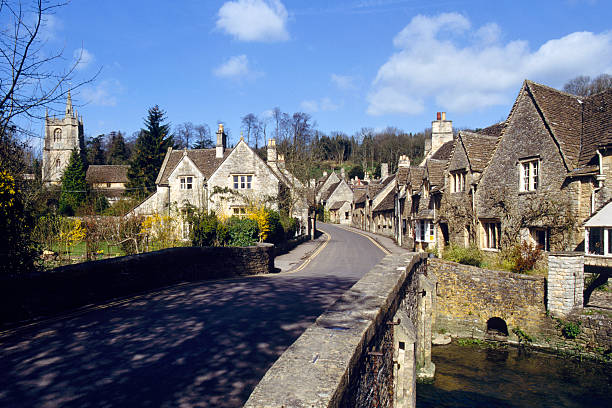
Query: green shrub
[[242, 231], [570, 330], [203, 228], [290, 226], [523, 257], [466, 256], [277, 232]]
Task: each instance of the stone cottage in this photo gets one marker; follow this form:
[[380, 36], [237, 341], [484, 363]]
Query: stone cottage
[[108, 180], [550, 171], [224, 180]]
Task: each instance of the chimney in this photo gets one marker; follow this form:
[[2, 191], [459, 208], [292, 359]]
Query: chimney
[[325, 173], [342, 175], [441, 131], [384, 170], [404, 161], [220, 142], [272, 155]]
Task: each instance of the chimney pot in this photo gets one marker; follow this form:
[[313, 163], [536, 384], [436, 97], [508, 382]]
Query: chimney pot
[[443, 115], [439, 116]]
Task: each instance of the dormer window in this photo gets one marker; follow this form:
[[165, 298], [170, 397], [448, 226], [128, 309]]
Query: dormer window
[[186, 183], [457, 181], [57, 135], [529, 175]]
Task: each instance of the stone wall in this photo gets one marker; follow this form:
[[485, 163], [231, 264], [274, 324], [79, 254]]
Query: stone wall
[[467, 297], [565, 282], [333, 362], [72, 286]]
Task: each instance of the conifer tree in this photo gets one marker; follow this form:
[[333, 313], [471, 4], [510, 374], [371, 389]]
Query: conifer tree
[[74, 186], [151, 147], [117, 150]]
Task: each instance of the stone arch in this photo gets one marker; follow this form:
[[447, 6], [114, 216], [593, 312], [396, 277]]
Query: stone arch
[[497, 326]]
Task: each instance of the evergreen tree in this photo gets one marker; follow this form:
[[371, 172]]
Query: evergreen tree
[[95, 151], [117, 150], [74, 186], [151, 147]]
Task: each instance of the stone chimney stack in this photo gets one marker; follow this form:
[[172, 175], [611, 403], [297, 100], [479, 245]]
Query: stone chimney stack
[[441, 132], [384, 170], [272, 155], [404, 161], [220, 142], [342, 174]]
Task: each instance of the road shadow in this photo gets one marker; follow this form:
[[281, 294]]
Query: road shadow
[[204, 345]]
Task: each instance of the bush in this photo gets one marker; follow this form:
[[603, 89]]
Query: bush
[[242, 231], [523, 257], [290, 226], [277, 231], [203, 228], [570, 330], [466, 256]]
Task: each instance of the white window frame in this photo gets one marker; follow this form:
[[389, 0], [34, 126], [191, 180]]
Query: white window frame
[[425, 231], [186, 182], [529, 175], [242, 181], [534, 237], [240, 212], [606, 241], [491, 237]]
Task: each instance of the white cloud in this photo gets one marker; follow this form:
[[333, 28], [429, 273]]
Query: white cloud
[[103, 93], [323, 105], [49, 27], [254, 20], [82, 58], [234, 68], [443, 59], [344, 82]]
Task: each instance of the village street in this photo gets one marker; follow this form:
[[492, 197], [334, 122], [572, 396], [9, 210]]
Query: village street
[[203, 344]]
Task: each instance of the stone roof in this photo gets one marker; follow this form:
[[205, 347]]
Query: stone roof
[[479, 149], [444, 152], [416, 178], [387, 203], [204, 159], [562, 113], [337, 205], [597, 125], [495, 130], [359, 196], [116, 173], [329, 191], [435, 173], [403, 176]]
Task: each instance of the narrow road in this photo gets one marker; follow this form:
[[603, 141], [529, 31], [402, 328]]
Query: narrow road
[[203, 344]]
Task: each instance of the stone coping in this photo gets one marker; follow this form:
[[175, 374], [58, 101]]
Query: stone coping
[[316, 369]]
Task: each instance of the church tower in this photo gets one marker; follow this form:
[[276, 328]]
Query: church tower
[[61, 137]]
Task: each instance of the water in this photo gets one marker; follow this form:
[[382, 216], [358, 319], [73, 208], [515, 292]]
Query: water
[[471, 376]]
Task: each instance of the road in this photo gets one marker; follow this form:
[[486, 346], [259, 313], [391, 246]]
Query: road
[[203, 344]]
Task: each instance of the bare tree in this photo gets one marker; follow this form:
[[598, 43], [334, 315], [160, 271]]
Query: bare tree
[[184, 133], [249, 125], [203, 136], [28, 77], [583, 85]]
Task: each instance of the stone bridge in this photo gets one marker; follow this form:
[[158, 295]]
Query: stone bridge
[[367, 350]]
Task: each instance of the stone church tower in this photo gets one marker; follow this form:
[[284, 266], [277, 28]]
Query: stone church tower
[[61, 137]]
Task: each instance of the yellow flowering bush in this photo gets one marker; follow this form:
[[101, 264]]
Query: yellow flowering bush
[[7, 190]]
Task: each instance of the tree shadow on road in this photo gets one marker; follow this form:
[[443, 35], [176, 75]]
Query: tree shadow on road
[[204, 344]]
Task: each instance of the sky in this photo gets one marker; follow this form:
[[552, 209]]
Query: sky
[[349, 63]]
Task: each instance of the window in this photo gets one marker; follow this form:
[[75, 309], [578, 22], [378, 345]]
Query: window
[[57, 135], [529, 175], [492, 231], [599, 241], [242, 182], [108, 185], [240, 212], [58, 163], [457, 181], [187, 183], [425, 231], [346, 215]]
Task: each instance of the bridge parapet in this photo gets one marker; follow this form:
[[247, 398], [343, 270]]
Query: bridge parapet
[[365, 350]]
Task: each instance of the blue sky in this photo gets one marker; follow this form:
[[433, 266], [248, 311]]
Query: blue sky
[[350, 63]]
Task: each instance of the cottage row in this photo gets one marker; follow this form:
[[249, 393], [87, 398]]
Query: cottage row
[[540, 176]]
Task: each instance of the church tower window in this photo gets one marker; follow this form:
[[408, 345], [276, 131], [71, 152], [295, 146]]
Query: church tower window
[[57, 135]]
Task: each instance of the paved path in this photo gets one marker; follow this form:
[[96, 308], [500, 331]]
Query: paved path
[[202, 344]]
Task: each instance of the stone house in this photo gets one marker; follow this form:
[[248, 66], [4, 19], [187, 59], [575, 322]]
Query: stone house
[[551, 169], [470, 155], [382, 206], [226, 181], [108, 180], [337, 200]]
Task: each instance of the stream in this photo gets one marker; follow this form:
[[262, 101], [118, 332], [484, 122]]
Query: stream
[[475, 376]]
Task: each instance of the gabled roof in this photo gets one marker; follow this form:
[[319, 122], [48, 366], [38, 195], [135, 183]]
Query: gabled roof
[[204, 159], [359, 196], [562, 113], [435, 173], [479, 149], [108, 173], [416, 178], [597, 125], [444, 152], [337, 205], [387, 203], [327, 193], [495, 130], [403, 176]]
